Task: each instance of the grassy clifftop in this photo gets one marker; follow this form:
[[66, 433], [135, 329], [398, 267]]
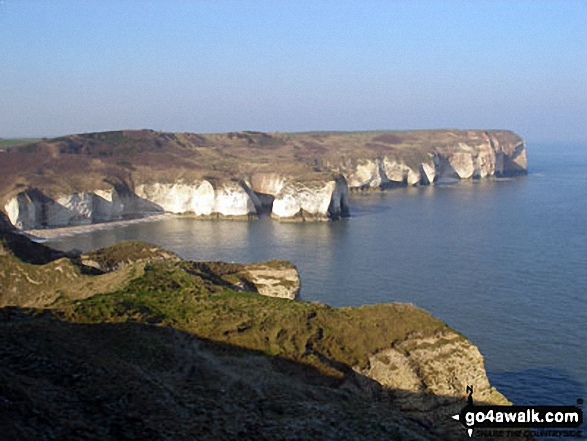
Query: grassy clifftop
[[185, 297], [100, 160], [134, 281], [142, 345], [130, 381]]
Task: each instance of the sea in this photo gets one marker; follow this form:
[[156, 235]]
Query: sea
[[503, 261]]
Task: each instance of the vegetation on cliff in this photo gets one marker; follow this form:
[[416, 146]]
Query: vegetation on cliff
[[212, 300], [142, 345], [131, 381], [125, 158], [190, 297]]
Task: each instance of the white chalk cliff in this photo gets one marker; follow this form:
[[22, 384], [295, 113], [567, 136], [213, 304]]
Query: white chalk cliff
[[298, 187], [32, 209], [460, 161]]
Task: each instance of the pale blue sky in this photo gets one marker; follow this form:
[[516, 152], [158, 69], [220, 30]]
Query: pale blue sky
[[215, 66]]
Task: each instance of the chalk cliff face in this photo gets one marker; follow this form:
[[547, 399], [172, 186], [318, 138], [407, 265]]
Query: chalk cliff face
[[33, 209], [312, 201], [83, 179], [429, 375], [285, 198], [273, 279], [296, 201], [487, 156], [279, 196], [179, 197], [381, 173]]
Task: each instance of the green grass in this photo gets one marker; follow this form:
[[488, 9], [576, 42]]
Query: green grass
[[127, 252], [16, 142], [31, 285], [327, 338]]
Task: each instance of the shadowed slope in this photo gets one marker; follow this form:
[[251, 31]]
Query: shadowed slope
[[177, 350], [130, 381]]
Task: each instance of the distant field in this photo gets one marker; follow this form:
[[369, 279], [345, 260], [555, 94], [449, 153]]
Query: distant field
[[15, 142]]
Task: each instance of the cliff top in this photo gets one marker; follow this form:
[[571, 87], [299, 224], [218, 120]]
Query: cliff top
[[139, 278], [156, 347], [134, 381], [89, 161]]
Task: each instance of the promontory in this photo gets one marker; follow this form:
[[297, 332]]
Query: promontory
[[132, 343]]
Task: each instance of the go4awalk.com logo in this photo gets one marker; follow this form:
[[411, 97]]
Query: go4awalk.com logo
[[520, 417]]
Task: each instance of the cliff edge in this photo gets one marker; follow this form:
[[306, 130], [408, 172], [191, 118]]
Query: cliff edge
[[99, 177], [130, 342]]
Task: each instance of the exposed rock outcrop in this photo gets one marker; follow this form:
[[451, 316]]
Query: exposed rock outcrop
[[441, 365], [179, 197], [274, 279], [33, 209], [312, 200], [486, 155], [428, 376]]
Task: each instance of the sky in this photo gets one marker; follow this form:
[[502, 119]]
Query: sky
[[216, 66]]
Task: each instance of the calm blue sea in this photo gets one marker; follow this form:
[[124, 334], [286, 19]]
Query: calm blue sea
[[502, 261]]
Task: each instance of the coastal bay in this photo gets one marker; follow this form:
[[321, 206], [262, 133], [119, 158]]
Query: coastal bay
[[502, 261]]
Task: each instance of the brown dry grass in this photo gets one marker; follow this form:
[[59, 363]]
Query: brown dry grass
[[82, 162]]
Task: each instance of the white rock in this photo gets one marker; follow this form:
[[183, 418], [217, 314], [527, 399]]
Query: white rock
[[398, 171], [462, 163], [318, 199], [75, 209], [429, 172], [367, 174], [484, 163], [315, 199], [203, 202], [33, 210], [21, 212], [275, 281], [286, 205], [232, 200], [268, 183]]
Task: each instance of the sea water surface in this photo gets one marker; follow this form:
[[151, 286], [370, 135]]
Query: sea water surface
[[502, 261]]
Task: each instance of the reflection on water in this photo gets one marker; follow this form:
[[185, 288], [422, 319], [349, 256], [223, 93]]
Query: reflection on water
[[503, 261]]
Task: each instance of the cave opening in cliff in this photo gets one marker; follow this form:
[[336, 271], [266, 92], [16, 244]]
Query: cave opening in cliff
[[265, 205]]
